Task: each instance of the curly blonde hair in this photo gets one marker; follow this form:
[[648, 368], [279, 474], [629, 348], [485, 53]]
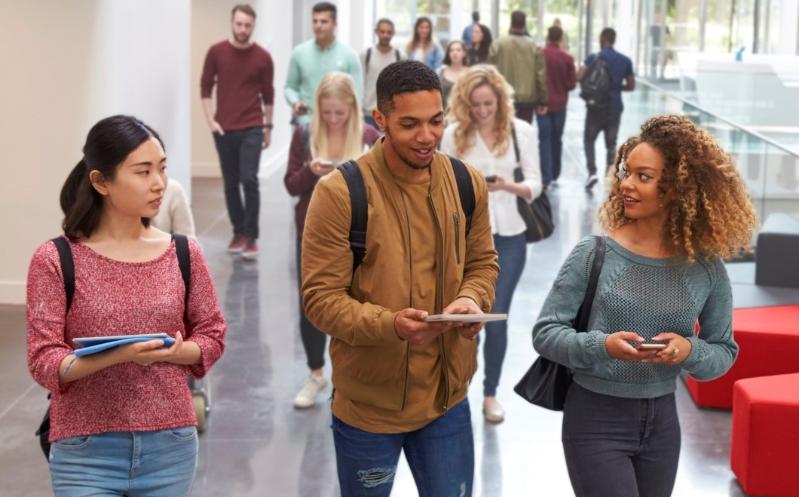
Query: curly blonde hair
[[460, 108], [710, 212]]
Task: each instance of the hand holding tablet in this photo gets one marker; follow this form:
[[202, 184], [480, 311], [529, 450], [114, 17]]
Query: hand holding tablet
[[93, 345], [465, 318]]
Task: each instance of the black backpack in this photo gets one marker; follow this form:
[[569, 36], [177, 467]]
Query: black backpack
[[68, 273], [595, 87], [360, 213]]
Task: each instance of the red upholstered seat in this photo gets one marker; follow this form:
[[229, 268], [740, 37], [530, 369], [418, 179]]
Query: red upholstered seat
[[764, 453], [768, 338]]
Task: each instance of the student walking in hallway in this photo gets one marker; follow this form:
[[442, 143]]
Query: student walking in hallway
[[336, 134], [242, 72], [484, 133], [122, 421], [400, 381]]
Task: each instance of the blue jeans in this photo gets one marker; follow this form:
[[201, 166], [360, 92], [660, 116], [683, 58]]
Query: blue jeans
[[133, 464], [558, 122], [512, 251], [441, 457], [618, 447], [240, 157], [545, 146]]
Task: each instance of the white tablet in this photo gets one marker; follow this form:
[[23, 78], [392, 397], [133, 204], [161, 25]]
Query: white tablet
[[465, 318]]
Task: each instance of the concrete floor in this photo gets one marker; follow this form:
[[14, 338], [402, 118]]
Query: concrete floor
[[257, 444]]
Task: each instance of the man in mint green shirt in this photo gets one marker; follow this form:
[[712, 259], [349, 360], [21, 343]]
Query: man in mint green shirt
[[312, 59]]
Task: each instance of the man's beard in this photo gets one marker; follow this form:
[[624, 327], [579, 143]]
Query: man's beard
[[243, 39], [407, 161]]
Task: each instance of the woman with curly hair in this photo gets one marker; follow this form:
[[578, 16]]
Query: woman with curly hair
[[484, 133], [677, 206]]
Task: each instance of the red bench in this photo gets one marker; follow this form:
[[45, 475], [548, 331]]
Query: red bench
[[768, 338]]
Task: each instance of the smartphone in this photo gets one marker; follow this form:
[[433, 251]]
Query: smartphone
[[651, 346], [491, 179]]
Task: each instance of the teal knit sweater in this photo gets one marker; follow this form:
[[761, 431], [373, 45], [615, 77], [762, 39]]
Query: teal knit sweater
[[644, 295]]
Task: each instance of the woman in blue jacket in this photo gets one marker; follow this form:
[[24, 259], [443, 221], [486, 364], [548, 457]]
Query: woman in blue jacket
[[423, 46]]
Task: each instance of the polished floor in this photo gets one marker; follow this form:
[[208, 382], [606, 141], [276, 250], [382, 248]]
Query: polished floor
[[257, 444]]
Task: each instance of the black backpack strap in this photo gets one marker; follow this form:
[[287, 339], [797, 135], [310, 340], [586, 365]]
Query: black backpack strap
[[366, 62], [184, 262], [515, 144], [397, 54], [67, 267], [465, 189], [360, 211]]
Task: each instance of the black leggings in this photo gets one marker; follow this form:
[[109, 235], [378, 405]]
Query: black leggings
[[618, 447], [313, 340]]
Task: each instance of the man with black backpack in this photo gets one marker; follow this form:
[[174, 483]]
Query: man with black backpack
[[373, 60], [401, 234], [602, 79]]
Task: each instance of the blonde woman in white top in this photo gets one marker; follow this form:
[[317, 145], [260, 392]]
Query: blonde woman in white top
[[481, 133]]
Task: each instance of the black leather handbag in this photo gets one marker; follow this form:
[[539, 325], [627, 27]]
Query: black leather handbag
[[537, 216], [546, 382]]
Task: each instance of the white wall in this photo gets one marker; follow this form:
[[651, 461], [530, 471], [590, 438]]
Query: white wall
[[67, 65]]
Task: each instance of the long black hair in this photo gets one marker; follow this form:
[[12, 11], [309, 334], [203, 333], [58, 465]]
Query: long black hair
[[108, 143], [481, 53]]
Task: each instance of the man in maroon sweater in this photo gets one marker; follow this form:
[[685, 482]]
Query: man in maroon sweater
[[242, 72], [561, 79]]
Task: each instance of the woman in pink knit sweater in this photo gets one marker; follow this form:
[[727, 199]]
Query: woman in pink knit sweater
[[122, 421]]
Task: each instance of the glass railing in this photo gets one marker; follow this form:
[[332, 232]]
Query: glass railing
[[770, 169]]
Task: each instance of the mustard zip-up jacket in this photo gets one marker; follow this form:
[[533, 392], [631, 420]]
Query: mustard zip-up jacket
[[370, 362]]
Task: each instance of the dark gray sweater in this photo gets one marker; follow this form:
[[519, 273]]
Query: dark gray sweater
[[644, 295]]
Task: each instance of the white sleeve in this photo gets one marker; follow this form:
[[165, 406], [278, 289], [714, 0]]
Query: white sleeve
[[182, 219], [448, 141]]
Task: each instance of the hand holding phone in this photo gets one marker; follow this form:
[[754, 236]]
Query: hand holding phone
[[491, 179], [651, 346], [320, 167]]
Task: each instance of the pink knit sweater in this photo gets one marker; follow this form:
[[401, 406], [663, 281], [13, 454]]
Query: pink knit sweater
[[118, 298]]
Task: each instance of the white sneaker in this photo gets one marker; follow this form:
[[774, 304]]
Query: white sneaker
[[493, 411], [306, 397], [592, 180]]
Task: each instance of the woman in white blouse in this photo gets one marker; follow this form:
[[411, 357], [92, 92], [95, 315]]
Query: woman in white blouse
[[481, 133]]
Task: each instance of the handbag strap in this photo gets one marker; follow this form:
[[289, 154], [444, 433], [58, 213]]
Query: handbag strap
[[515, 145], [581, 321]]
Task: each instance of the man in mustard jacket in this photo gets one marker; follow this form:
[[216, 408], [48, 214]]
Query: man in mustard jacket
[[401, 382]]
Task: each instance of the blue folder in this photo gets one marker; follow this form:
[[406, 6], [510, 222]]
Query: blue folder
[[92, 345]]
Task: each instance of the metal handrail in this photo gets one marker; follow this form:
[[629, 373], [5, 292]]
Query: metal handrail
[[720, 118]]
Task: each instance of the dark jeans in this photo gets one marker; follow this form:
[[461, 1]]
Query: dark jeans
[[617, 447], [604, 120], [512, 251], [313, 340], [440, 455], [525, 110], [240, 155], [545, 146], [557, 122]]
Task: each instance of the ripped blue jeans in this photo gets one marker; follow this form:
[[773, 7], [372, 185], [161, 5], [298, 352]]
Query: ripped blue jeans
[[440, 455]]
